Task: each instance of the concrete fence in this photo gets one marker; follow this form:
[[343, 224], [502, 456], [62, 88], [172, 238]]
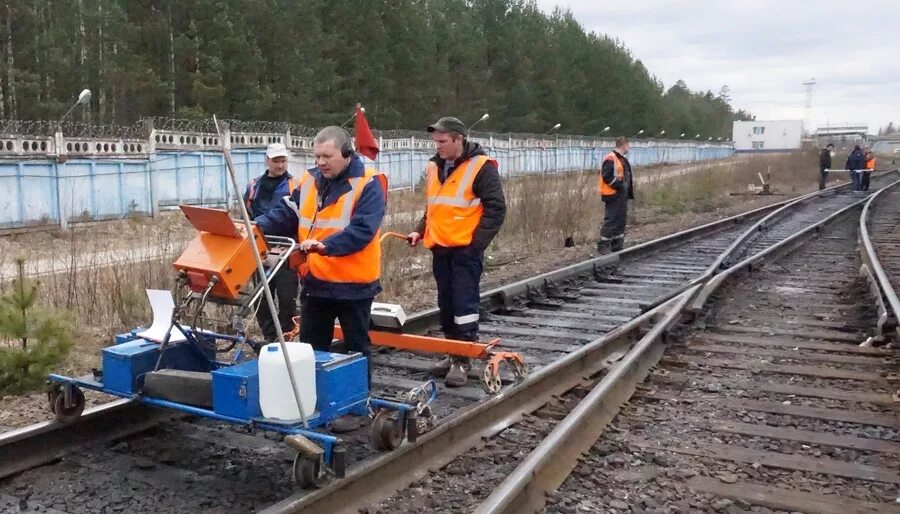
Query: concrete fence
[[57, 180]]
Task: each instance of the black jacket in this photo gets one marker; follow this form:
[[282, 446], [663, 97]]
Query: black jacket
[[825, 159], [856, 160], [488, 187], [608, 171]]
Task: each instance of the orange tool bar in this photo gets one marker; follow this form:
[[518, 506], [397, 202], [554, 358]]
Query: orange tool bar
[[427, 344]]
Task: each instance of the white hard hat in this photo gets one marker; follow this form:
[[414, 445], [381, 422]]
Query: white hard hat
[[277, 150]]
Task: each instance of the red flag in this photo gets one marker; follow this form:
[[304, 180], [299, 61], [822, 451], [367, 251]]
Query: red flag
[[365, 141]]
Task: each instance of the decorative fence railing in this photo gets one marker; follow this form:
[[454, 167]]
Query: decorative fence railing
[[57, 179]]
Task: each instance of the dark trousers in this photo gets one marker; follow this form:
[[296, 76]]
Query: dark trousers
[[284, 286], [864, 180], [856, 179], [457, 272], [317, 317], [823, 178], [615, 214]]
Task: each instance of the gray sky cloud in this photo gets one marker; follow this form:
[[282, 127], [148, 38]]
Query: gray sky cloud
[[764, 50]]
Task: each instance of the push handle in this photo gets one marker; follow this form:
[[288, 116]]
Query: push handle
[[396, 235]]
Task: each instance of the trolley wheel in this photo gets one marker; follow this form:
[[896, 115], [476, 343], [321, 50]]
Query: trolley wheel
[[489, 382], [387, 431], [520, 371], [53, 391], [68, 414], [308, 473]]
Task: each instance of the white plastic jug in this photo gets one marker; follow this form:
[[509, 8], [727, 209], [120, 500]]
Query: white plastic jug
[[276, 399]]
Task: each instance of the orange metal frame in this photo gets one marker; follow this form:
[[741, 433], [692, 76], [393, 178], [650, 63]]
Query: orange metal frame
[[427, 344]]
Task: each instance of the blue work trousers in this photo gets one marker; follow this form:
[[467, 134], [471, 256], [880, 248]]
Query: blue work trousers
[[457, 272], [856, 178]]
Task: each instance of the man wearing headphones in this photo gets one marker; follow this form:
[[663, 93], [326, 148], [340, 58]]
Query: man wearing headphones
[[341, 205]]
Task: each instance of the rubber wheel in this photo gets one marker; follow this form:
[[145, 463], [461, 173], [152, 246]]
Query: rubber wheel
[[307, 472], [490, 383], [387, 431], [53, 391], [68, 414]]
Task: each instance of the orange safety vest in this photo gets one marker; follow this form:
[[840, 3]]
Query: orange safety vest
[[453, 212], [251, 194], [870, 164], [362, 267], [604, 188]]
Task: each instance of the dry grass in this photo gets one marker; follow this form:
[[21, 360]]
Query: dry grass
[[543, 211]]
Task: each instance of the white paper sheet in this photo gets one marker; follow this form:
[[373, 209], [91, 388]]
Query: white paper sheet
[[163, 305]]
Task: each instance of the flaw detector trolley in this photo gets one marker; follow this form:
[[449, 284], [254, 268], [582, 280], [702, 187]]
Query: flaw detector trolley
[[192, 357]]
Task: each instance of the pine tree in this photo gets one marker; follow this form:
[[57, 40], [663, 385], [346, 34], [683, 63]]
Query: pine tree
[[35, 340]]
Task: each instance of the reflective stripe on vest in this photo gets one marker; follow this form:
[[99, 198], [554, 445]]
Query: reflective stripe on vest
[[453, 211], [604, 188], [362, 267]]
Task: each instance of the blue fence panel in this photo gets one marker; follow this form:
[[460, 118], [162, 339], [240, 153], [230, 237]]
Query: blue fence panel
[[106, 188]]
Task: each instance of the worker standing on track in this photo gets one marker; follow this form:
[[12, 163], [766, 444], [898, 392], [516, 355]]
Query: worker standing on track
[[341, 208], [616, 188], [856, 161], [263, 198], [465, 208], [870, 167], [825, 164]]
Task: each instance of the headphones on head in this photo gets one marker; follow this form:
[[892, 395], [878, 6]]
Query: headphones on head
[[346, 150]]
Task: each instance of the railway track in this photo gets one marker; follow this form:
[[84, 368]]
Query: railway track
[[771, 406], [573, 323]]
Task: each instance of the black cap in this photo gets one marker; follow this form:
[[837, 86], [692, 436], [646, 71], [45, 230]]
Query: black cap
[[447, 124]]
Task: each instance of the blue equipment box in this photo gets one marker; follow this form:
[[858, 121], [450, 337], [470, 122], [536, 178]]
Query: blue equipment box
[[125, 364], [341, 381], [342, 384], [236, 390]]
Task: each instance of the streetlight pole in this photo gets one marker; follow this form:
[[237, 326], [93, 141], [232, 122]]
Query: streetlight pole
[[84, 98], [484, 117]]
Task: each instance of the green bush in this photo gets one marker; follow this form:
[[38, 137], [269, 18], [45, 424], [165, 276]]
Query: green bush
[[32, 340]]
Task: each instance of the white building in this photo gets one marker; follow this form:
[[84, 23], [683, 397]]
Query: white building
[[767, 136]]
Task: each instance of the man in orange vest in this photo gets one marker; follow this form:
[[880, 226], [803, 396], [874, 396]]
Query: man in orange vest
[[263, 198], [870, 167], [465, 208], [616, 188], [340, 206]]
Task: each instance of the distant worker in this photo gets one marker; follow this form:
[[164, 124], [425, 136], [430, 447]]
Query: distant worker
[[616, 188], [825, 164], [465, 209], [341, 208], [870, 167], [263, 198], [856, 162]]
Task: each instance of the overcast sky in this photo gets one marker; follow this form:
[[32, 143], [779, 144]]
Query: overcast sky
[[764, 50]]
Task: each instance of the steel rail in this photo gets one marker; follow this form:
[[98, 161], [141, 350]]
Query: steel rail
[[375, 479], [503, 296], [548, 465], [714, 283], [872, 263], [372, 480], [35, 445]]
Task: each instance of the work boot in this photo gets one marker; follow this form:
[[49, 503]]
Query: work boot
[[346, 423], [603, 247], [459, 372], [442, 367]]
